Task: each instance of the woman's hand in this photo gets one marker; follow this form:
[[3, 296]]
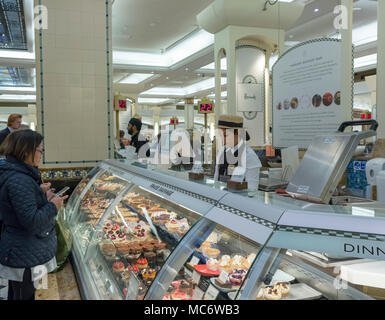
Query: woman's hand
[[45, 186], [50, 194], [58, 201]]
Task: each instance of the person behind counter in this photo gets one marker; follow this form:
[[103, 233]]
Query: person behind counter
[[140, 144], [235, 153], [28, 242]]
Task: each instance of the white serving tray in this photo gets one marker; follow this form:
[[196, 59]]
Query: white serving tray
[[281, 276], [301, 291]]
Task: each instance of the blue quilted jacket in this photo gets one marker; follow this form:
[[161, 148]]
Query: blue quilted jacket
[[28, 238]]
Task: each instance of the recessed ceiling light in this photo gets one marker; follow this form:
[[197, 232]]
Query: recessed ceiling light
[[187, 69], [291, 36], [316, 10], [167, 78]]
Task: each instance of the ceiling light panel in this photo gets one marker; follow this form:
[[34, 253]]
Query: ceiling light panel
[[188, 90], [193, 44], [152, 100], [136, 78], [370, 60]]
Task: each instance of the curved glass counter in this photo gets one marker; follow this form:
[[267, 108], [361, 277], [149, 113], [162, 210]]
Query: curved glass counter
[[151, 234]]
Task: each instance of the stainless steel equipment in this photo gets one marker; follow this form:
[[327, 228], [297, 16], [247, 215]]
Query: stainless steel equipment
[[325, 161]]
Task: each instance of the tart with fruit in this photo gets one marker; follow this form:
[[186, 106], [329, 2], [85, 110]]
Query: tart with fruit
[[142, 263], [118, 266]]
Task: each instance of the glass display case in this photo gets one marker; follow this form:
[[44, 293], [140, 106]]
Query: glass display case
[[144, 234]]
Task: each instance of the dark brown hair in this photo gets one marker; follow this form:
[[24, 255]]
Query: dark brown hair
[[20, 144], [13, 117]]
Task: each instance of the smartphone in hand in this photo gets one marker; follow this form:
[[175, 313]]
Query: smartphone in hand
[[62, 191]]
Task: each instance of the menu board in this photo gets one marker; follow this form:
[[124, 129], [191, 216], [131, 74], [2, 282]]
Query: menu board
[[306, 93]]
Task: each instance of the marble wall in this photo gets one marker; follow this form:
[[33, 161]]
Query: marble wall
[[74, 101]]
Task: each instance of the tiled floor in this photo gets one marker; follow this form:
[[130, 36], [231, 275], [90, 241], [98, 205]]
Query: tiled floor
[[61, 286]]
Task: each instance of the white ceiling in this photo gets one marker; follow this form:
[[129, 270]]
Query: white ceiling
[[155, 25]]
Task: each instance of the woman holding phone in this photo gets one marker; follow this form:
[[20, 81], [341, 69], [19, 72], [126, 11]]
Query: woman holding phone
[[28, 241]]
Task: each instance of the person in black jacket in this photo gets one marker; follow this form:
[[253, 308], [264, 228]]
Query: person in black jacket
[[140, 144], [14, 123], [28, 241]]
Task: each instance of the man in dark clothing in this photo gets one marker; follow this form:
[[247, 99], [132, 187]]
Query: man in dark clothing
[[142, 148], [14, 123]]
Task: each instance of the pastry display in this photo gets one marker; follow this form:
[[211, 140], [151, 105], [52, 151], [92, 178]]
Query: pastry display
[[237, 276], [237, 262], [173, 225], [249, 260], [118, 266], [133, 268], [142, 263], [283, 288], [107, 248], [211, 252], [126, 240], [225, 263], [272, 293], [148, 274], [260, 294], [219, 282], [212, 264]]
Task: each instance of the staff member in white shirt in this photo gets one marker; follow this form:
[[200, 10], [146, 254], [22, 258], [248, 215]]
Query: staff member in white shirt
[[235, 157]]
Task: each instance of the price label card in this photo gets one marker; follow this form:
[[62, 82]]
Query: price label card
[[133, 287], [224, 276], [211, 293], [198, 294], [194, 260], [188, 272], [107, 285], [99, 269], [196, 277]]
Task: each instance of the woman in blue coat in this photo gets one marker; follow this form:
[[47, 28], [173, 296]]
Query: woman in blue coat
[[28, 241]]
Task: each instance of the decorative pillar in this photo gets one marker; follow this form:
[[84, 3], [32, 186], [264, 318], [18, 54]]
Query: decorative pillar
[[156, 119], [381, 70], [347, 58], [74, 98], [189, 113]]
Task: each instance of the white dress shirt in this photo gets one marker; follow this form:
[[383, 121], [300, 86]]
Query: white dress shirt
[[250, 169]]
